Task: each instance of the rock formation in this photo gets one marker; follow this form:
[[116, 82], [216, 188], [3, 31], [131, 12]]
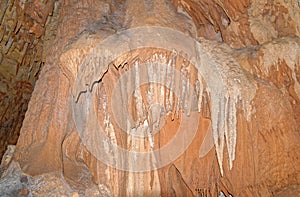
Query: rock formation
[[151, 98], [26, 30]]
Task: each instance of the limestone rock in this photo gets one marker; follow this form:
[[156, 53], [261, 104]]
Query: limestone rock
[[94, 128], [25, 31]]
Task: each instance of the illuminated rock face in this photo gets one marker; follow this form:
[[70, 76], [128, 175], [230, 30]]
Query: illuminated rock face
[[166, 98], [26, 32]]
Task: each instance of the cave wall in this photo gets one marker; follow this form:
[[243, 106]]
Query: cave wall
[[264, 40], [26, 30]]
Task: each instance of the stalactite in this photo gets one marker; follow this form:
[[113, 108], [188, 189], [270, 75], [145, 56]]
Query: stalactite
[[162, 81], [227, 87], [155, 74], [108, 126], [219, 77], [168, 86], [150, 93], [182, 87], [171, 98], [140, 107], [190, 91], [199, 88], [8, 45], [177, 93]]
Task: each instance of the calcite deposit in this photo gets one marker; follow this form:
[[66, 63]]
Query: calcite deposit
[[26, 30], [150, 98]]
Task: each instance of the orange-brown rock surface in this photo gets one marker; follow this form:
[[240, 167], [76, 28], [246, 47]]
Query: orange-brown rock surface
[[231, 71], [26, 28]]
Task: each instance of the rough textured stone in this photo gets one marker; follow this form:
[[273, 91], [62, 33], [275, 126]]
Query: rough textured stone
[[24, 33], [265, 43]]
